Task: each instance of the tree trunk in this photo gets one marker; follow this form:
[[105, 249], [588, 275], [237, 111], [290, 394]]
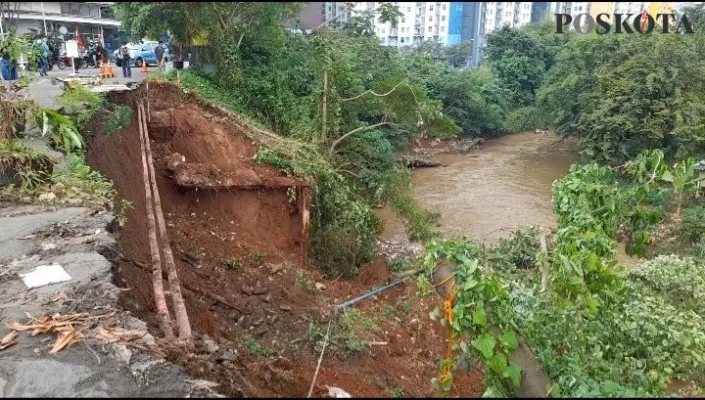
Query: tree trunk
[[157, 282], [174, 284], [324, 113]]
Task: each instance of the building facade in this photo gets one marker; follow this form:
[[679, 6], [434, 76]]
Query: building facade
[[90, 20]]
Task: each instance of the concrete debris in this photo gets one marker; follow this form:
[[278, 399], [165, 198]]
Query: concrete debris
[[45, 275], [84, 365], [338, 393]]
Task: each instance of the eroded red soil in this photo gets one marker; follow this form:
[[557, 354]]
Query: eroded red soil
[[246, 246]]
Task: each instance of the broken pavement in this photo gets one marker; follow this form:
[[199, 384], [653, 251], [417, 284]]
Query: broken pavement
[[78, 239]]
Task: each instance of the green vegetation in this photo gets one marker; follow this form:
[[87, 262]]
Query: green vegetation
[[232, 263], [254, 348], [349, 332], [397, 392], [597, 330], [343, 107], [305, 284]]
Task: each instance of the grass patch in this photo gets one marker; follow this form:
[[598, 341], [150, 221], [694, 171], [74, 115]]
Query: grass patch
[[305, 284], [231, 263], [349, 333], [254, 347], [418, 220], [397, 392]]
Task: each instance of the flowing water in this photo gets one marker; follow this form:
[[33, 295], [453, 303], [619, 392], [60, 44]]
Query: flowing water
[[487, 193]]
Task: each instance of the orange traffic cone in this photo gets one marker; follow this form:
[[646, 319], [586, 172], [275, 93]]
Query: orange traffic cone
[[144, 67]]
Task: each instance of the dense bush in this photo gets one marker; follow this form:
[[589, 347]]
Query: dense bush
[[526, 119], [681, 281]]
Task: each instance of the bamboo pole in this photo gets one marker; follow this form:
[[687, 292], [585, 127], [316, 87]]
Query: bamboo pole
[[157, 282], [182, 320]]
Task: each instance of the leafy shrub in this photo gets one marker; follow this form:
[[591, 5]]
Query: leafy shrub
[[631, 348], [518, 251], [343, 228], [693, 224], [526, 119], [90, 185], [116, 119], [681, 281]]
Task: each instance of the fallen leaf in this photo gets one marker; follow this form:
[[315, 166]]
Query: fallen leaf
[[65, 339], [8, 340]]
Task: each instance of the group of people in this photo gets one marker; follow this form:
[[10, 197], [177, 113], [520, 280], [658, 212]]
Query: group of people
[[124, 54], [127, 63]]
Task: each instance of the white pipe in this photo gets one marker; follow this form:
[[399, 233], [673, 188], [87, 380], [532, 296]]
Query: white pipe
[[1, 30], [46, 32]]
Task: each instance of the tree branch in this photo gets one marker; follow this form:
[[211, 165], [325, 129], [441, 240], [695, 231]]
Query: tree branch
[[374, 93], [352, 132]]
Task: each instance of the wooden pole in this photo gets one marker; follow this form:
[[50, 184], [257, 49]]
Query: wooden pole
[[157, 282], [182, 320]]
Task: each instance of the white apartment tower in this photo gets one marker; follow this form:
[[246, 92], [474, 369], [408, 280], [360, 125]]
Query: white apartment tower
[[419, 21], [503, 13], [442, 22]]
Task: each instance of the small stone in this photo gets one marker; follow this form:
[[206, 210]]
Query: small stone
[[260, 290], [285, 308], [267, 298], [240, 320], [226, 356], [247, 290], [320, 286]]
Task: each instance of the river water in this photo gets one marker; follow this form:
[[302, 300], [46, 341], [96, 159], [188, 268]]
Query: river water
[[487, 193]]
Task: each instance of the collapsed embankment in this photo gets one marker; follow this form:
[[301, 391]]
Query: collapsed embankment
[[239, 241]]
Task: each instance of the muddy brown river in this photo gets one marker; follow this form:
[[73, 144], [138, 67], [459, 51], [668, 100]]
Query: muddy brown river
[[489, 192], [486, 193]]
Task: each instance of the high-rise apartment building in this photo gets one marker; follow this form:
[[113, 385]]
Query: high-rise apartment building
[[442, 22], [439, 22]]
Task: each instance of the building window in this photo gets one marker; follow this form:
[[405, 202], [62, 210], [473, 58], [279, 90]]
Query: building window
[[429, 28], [430, 8], [402, 40], [408, 9], [443, 7], [430, 18], [443, 18], [443, 29], [403, 20]]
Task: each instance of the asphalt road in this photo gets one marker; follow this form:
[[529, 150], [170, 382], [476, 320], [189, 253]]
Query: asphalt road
[[45, 93]]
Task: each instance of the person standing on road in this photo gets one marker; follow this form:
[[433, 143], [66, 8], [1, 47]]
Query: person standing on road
[[45, 58], [125, 54], [159, 53]]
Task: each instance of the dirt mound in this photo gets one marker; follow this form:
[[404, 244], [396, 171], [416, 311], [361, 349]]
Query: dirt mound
[[246, 246], [374, 273]]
